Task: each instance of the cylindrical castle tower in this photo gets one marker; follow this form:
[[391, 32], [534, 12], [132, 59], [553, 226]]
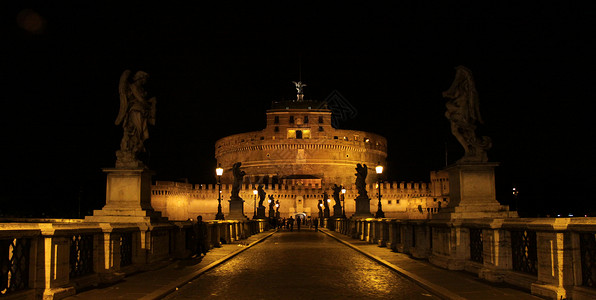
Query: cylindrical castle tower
[[299, 146]]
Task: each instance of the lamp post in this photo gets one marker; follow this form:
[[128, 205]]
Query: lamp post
[[219, 172], [343, 200], [255, 212], [380, 213]]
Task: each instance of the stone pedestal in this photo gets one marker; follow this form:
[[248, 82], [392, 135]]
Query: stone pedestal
[[261, 212], [337, 211], [362, 208], [472, 193], [236, 209], [128, 198]]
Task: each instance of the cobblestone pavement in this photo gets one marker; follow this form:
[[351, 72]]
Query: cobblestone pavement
[[301, 265]]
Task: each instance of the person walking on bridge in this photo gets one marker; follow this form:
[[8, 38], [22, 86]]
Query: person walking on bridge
[[291, 223], [200, 231]]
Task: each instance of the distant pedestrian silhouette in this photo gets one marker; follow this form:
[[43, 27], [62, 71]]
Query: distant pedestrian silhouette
[[200, 232], [291, 223]]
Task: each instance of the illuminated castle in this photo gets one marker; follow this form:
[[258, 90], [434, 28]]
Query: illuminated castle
[[298, 156]]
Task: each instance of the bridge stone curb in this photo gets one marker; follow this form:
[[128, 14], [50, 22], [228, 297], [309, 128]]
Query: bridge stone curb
[[438, 290]]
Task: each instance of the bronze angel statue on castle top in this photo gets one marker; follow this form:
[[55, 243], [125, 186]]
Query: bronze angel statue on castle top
[[463, 112], [137, 111]]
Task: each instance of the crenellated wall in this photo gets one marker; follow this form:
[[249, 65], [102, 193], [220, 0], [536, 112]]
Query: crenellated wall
[[181, 201]]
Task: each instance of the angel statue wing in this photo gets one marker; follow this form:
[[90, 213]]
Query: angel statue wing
[[123, 88], [467, 90]]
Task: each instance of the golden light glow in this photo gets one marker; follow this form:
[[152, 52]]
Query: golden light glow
[[306, 134], [379, 169], [291, 133], [343, 191], [255, 192], [219, 171]]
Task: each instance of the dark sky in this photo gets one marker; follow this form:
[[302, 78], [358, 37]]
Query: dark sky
[[215, 70]]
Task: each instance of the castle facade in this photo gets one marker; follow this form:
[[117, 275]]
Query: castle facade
[[299, 157]]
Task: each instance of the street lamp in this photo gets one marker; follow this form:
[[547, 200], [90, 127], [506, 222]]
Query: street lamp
[[380, 213], [343, 199], [219, 172], [255, 212]]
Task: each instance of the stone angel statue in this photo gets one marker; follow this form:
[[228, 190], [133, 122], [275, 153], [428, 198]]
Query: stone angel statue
[[463, 112], [299, 86], [238, 177], [137, 111], [262, 194], [361, 173], [336, 190], [271, 202]]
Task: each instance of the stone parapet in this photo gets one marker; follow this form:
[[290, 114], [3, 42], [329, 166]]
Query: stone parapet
[[549, 257], [52, 260]]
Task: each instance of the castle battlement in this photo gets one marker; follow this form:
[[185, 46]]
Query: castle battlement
[[183, 200]]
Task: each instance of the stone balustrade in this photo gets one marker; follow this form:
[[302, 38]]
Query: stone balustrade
[[550, 257], [52, 259]]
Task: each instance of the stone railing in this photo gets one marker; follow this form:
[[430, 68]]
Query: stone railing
[[52, 260], [552, 258]]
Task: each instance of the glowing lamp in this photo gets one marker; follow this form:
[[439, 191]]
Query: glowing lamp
[[343, 191], [255, 192], [219, 171], [379, 169]]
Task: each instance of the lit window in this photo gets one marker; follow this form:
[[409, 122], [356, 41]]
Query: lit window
[[291, 133], [306, 134]]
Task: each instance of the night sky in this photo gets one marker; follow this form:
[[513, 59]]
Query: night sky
[[216, 70]]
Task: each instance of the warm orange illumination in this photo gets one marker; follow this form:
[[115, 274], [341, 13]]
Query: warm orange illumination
[[291, 133], [343, 191], [306, 134], [379, 169], [219, 171], [255, 192]]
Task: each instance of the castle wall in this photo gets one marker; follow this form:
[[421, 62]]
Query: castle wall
[[180, 201]]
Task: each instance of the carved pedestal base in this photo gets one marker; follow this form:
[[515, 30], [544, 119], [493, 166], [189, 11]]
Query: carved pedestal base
[[261, 212], [472, 193], [236, 209], [362, 208], [128, 198], [337, 211]]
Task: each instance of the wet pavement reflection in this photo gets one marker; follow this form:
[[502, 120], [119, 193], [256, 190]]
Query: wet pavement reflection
[[301, 265]]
